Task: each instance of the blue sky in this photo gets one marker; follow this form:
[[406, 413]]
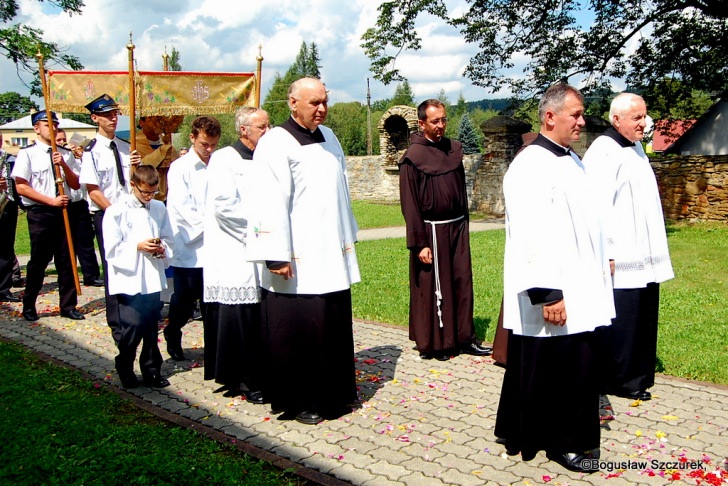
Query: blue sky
[[223, 35]]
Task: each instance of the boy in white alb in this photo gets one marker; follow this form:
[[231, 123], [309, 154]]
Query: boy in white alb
[[139, 241]]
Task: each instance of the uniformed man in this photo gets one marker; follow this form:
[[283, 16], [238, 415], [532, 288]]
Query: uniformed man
[[79, 220], [106, 172], [8, 224], [35, 181]]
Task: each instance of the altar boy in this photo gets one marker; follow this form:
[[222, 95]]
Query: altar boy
[[138, 245]]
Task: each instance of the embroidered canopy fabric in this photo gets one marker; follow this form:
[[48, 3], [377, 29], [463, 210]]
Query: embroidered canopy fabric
[[158, 93]]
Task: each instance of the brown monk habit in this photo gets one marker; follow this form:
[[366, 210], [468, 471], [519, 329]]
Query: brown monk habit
[[432, 188]]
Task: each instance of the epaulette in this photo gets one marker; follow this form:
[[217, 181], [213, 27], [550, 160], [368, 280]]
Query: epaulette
[[90, 145], [28, 146]]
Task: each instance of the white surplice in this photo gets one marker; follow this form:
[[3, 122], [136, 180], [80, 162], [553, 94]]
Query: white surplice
[[127, 223], [229, 278], [634, 222], [554, 240], [307, 217], [186, 198]]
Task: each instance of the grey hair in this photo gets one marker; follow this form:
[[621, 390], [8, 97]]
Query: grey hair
[[555, 97], [295, 87], [242, 117], [622, 103]]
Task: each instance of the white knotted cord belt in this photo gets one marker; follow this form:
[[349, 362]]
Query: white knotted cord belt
[[436, 262]]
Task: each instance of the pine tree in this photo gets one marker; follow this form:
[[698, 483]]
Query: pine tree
[[307, 64], [403, 95], [468, 136]]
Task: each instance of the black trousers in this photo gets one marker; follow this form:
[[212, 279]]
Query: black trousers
[[48, 241], [112, 301], [82, 231], [188, 289], [139, 315], [8, 225]]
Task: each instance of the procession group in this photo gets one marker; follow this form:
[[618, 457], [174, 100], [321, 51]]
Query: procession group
[[262, 235]]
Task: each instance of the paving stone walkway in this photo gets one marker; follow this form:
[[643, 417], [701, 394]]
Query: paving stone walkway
[[418, 422]]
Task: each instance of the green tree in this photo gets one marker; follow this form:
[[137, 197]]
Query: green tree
[[678, 39], [307, 64], [468, 136], [442, 97], [349, 123], [174, 60], [14, 106], [20, 42], [403, 95]]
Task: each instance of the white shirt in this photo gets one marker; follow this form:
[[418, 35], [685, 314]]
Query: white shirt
[[186, 194], [307, 217], [33, 164], [553, 240], [127, 223], [229, 278], [98, 167], [634, 223]]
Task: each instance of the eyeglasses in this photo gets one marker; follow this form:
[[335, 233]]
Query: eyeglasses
[[442, 120], [147, 193]]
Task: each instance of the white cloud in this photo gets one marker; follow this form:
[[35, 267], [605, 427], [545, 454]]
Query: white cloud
[[222, 35]]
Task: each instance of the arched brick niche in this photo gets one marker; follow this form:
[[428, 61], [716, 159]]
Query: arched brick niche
[[395, 128]]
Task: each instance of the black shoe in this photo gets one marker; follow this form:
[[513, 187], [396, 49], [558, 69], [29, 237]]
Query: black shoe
[[254, 396], [97, 282], [73, 314], [155, 381], [476, 350], [19, 282], [128, 380], [643, 395], [196, 315], [575, 461], [309, 418], [174, 346], [442, 356], [424, 355], [9, 297], [30, 315]]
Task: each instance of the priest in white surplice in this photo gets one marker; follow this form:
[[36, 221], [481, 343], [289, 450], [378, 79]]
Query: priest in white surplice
[[557, 291], [306, 234], [233, 337], [637, 242]]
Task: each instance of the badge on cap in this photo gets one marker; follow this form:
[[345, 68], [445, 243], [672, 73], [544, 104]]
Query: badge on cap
[[102, 104], [43, 115]]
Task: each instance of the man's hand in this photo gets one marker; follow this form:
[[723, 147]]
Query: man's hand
[[555, 313], [285, 271], [60, 201], [425, 256], [135, 158]]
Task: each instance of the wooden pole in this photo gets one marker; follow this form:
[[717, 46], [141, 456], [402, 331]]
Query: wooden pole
[[57, 170], [132, 99], [258, 74]]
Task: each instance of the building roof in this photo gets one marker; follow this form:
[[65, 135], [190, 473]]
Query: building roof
[[25, 124], [662, 141]]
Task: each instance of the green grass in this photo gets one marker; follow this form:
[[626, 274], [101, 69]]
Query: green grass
[[377, 215], [693, 340], [22, 239], [58, 429]]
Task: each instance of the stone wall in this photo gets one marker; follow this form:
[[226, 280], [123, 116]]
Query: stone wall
[[693, 187]]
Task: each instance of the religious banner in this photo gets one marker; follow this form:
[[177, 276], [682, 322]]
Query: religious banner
[[158, 93]]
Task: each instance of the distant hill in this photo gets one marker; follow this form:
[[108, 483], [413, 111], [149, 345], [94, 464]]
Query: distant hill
[[500, 105]]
